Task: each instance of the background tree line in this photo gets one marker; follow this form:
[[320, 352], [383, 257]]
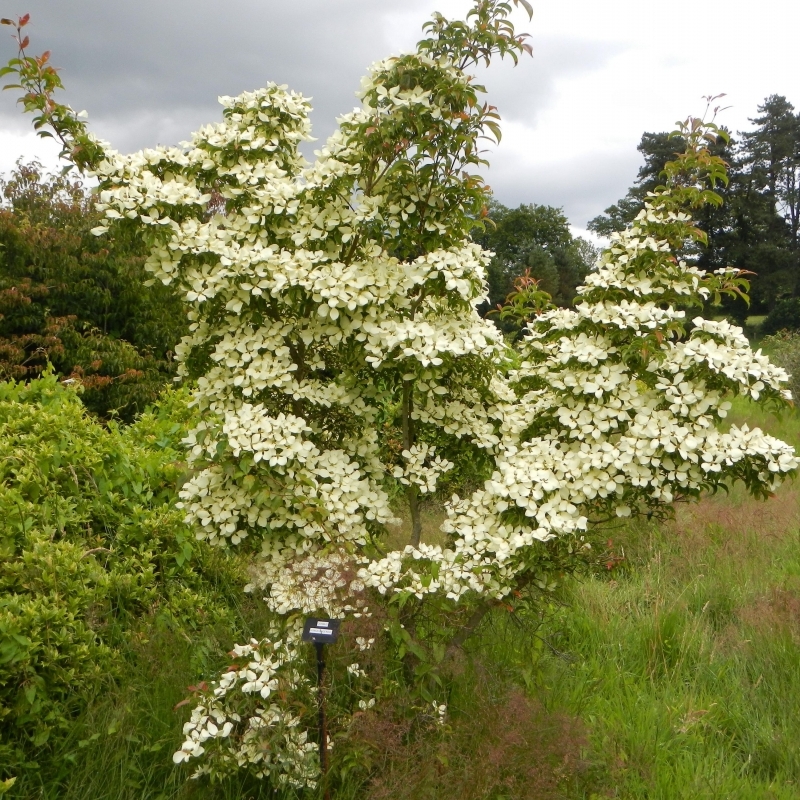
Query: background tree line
[[534, 239], [757, 226]]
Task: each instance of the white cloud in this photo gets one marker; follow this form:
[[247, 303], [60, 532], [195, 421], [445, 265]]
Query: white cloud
[[27, 146]]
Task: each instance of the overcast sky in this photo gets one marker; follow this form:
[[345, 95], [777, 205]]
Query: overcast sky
[[602, 73]]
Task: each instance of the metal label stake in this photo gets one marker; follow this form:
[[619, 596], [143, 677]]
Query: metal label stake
[[321, 632]]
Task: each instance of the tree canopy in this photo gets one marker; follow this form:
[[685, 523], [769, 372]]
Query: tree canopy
[[535, 239]]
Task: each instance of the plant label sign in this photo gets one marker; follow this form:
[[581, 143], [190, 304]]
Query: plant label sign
[[321, 630]]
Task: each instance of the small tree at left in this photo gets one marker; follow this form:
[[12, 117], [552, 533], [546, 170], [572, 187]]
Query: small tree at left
[[78, 302]]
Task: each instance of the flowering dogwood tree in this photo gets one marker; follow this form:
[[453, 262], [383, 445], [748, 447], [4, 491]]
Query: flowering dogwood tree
[[342, 367]]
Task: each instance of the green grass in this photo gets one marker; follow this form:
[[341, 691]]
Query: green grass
[[686, 667], [684, 662], [676, 674]]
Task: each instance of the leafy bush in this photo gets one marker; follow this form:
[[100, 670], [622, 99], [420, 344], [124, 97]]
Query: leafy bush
[[785, 316], [79, 303], [91, 545], [784, 349]]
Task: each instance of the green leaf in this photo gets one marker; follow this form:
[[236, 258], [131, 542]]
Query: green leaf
[[495, 129], [527, 6]]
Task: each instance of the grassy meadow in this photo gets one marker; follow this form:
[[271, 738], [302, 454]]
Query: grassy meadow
[[672, 673]]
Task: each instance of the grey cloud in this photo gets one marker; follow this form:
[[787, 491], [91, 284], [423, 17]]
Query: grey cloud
[[583, 187], [150, 72], [125, 62], [521, 92]]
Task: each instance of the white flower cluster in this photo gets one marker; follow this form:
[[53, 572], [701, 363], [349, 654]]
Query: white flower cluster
[[275, 440], [331, 482], [271, 739], [356, 671], [321, 583], [416, 472]]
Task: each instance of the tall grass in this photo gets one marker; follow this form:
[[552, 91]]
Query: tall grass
[[685, 661], [121, 747]]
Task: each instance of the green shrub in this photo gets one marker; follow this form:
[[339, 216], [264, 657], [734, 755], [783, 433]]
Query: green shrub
[[90, 548], [785, 316], [784, 350], [77, 302]]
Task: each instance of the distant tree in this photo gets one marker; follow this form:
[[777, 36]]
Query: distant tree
[[78, 302], [758, 225], [773, 160], [748, 233], [535, 239]]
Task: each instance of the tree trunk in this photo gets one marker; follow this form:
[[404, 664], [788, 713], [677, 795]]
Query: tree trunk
[[416, 520], [472, 625]]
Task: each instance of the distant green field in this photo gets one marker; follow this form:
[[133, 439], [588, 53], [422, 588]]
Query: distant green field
[[755, 320]]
